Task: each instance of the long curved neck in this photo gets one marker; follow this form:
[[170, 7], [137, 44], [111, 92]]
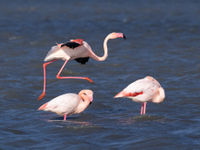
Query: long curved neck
[[83, 104], [102, 58], [159, 96]]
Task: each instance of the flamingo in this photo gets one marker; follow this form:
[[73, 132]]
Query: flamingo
[[143, 90], [76, 49], [70, 103]]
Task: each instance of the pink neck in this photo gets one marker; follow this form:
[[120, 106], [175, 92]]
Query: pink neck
[[94, 56]]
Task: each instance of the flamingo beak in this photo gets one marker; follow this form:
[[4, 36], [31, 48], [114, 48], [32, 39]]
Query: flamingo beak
[[124, 37], [121, 35], [91, 100]]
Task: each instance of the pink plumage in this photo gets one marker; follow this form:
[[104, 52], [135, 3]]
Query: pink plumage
[[70, 103], [76, 49], [144, 90]]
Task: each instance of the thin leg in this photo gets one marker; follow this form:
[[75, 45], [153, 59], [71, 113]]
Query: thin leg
[[44, 86], [142, 109], [59, 77], [65, 116]]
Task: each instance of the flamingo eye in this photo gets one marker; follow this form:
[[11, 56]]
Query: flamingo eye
[[84, 94]]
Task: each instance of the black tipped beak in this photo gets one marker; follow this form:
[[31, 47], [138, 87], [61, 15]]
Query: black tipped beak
[[90, 103], [124, 37]]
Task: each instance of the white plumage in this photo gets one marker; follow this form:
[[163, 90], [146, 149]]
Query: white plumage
[[144, 90], [66, 53], [63, 104], [145, 85], [69, 103]]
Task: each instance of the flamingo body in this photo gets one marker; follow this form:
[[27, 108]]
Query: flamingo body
[[68, 51], [144, 90], [69, 103], [78, 50]]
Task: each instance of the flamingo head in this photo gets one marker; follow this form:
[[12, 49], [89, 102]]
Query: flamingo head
[[115, 35], [86, 95]]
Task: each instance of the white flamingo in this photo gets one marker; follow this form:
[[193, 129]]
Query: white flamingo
[[144, 90], [68, 104]]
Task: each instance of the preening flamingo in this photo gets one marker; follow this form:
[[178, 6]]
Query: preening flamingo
[[78, 50], [70, 103], [144, 90]]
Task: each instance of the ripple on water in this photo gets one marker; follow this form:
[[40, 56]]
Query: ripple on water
[[165, 46]]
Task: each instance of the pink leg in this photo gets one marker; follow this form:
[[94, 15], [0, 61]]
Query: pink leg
[[142, 109], [44, 86], [59, 77], [65, 116]]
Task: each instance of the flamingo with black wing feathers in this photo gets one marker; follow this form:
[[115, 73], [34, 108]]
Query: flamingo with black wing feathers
[[76, 49]]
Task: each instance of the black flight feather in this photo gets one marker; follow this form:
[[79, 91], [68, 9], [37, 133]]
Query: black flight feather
[[82, 60], [71, 44]]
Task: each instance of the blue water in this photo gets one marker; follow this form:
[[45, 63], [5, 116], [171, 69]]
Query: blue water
[[162, 41]]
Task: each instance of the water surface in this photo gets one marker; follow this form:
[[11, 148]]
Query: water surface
[[162, 41]]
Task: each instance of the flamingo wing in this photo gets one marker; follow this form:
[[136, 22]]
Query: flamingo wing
[[63, 104], [141, 85], [82, 60], [74, 44], [56, 53], [64, 51], [135, 87], [141, 90], [71, 45]]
